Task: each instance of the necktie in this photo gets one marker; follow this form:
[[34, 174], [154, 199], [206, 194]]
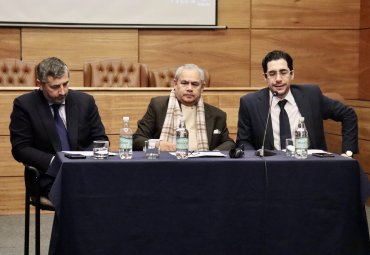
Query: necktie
[[284, 124], [62, 131]]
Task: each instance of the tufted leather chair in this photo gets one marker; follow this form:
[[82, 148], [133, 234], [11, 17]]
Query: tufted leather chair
[[115, 73], [164, 77], [14, 72]]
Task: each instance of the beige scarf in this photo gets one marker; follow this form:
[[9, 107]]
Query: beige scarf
[[173, 116]]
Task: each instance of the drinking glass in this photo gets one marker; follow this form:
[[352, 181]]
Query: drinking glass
[[100, 149]]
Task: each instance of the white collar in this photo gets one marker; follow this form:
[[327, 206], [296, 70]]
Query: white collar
[[289, 97]]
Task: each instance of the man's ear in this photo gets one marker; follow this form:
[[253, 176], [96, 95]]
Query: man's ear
[[292, 75], [38, 83], [264, 76]]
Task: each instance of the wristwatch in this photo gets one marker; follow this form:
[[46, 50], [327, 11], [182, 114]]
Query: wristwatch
[[349, 153]]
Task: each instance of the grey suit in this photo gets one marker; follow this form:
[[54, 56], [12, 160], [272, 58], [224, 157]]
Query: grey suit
[[33, 134], [150, 126], [312, 105]]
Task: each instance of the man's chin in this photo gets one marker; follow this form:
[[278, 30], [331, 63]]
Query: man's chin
[[58, 101], [282, 91]]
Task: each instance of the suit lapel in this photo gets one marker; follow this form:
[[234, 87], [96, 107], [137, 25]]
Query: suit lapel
[[71, 109], [209, 123], [263, 109], [46, 117]]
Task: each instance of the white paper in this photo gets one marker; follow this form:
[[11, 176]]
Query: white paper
[[203, 154], [87, 153]]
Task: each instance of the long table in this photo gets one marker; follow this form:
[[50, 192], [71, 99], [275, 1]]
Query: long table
[[251, 205]]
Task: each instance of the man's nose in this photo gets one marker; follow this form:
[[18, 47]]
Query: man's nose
[[279, 76], [62, 90]]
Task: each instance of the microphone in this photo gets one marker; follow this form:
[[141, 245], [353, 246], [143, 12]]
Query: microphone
[[264, 152], [237, 152]]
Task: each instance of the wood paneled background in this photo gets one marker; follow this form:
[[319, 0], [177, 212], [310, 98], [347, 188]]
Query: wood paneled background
[[329, 41]]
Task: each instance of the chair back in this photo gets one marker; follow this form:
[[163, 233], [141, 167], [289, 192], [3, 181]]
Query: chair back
[[115, 73], [164, 77], [17, 73]]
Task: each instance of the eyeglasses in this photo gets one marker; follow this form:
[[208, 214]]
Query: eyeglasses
[[194, 84], [282, 72]]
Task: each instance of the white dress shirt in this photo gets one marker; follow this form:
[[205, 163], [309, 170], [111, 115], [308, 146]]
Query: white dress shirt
[[293, 113]]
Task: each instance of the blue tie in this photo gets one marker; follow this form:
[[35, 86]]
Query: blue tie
[[284, 124], [62, 131]]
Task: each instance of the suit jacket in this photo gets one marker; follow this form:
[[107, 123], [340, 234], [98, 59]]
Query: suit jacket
[[313, 106], [33, 134], [150, 126]]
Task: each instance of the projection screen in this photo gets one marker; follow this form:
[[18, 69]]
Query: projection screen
[[109, 12]]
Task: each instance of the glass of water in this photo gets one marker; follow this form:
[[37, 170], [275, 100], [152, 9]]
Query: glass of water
[[152, 148], [289, 145], [100, 149]]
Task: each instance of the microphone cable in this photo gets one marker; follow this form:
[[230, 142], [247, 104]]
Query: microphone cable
[[262, 152]]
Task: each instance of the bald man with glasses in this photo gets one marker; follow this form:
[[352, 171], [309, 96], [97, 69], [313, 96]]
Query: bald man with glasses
[[206, 124], [288, 103]]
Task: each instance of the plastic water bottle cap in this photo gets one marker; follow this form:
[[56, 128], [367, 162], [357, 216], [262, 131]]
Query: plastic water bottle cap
[[125, 118]]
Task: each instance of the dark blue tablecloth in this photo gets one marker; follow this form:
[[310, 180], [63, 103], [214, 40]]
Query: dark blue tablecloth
[[275, 205]]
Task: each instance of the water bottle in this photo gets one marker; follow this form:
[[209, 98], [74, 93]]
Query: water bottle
[[125, 140], [301, 140], [182, 141]]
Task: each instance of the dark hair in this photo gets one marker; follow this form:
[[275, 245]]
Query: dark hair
[[276, 55], [53, 67]]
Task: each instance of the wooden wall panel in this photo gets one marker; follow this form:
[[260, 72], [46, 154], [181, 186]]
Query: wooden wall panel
[[363, 114], [12, 195], [325, 57], [234, 14], [75, 46], [6, 106], [10, 43], [8, 165], [76, 79], [364, 66], [365, 14], [225, 53], [340, 14], [334, 143]]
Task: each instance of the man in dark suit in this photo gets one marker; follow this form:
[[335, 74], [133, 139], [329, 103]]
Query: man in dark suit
[[34, 134], [301, 101], [206, 124]]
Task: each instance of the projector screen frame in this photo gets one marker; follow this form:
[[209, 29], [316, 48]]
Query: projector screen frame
[[117, 26], [46, 22]]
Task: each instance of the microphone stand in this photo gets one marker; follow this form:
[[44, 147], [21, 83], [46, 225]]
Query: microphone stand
[[264, 152]]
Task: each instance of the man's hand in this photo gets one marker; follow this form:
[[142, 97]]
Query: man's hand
[[167, 146]]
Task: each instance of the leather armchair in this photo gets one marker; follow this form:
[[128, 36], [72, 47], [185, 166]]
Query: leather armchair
[[15, 72], [164, 77], [115, 73]]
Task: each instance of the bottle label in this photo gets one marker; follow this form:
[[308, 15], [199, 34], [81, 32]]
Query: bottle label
[[125, 143], [182, 143], [301, 143]]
